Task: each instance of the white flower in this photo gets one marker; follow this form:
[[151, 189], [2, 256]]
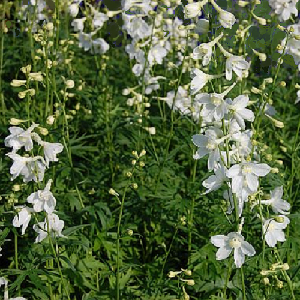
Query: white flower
[[245, 175], [237, 64], [43, 200], [226, 18], [23, 217], [29, 167], [85, 41], [200, 79], [55, 227], [192, 10], [208, 144], [51, 150], [278, 205], [204, 52], [73, 10], [284, 8], [19, 138], [214, 182], [157, 54], [100, 46], [239, 110], [99, 18], [78, 24], [226, 244], [273, 230]]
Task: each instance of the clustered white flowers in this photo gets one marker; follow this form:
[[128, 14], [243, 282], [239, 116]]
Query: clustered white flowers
[[98, 19], [32, 168], [232, 156]]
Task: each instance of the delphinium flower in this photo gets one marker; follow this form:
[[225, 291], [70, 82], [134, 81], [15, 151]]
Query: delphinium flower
[[51, 224], [204, 51], [208, 144], [33, 168], [273, 230], [284, 8], [43, 200], [291, 44], [226, 18], [233, 241], [276, 202]]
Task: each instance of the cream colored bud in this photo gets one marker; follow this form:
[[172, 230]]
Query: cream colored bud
[[269, 157], [255, 90], [133, 162], [135, 186], [279, 47], [266, 281], [16, 188], [50, 120], [142, 164], [49, 26], [187, 272], [113, 192], [279, 219], [143, 152], [274, 170], [173, 274], [282, 83], [130, 232], [36, 76], [17, 83], [243, 3], [43, 131], [129, 174], [31, 92], [285, 267], [279, 284], [22, 95], [26, 69], [135, 154], [16, 122]]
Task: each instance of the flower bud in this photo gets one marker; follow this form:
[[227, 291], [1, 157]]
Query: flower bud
[[69, 84]]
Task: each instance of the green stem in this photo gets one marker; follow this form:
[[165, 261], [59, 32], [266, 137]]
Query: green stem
[[243, 283]]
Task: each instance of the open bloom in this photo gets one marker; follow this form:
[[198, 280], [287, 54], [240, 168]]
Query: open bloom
[[23, 217], [55, 227], [43, 200], [19, 138], [233, 241], [51, 150], [193, 10], [215, 181], [239, 110], [31, 168], [200, 79], [208, 144], [226, 18], [245, 175], [273, 230], [278, 205], [238, 65]]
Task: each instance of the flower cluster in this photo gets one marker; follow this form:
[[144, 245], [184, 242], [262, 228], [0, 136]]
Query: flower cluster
[[232, 156], [33, 168], [97, 18]]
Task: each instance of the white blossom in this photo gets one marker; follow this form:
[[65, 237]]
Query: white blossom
[[238, 65], [273, 230], [43, 200], [22, 218], [19, 138], [214, 182], [233, 241], [31, 168], [278, 205], [55, 227], [245, 175]]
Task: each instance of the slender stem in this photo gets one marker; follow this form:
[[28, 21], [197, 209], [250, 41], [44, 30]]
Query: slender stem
[[16, 250], [243, 283]]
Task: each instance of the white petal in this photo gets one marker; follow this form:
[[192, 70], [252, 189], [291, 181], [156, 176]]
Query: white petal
[[223, 253], [239, 257], [248, 249], [218, 240], [260, 169]]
